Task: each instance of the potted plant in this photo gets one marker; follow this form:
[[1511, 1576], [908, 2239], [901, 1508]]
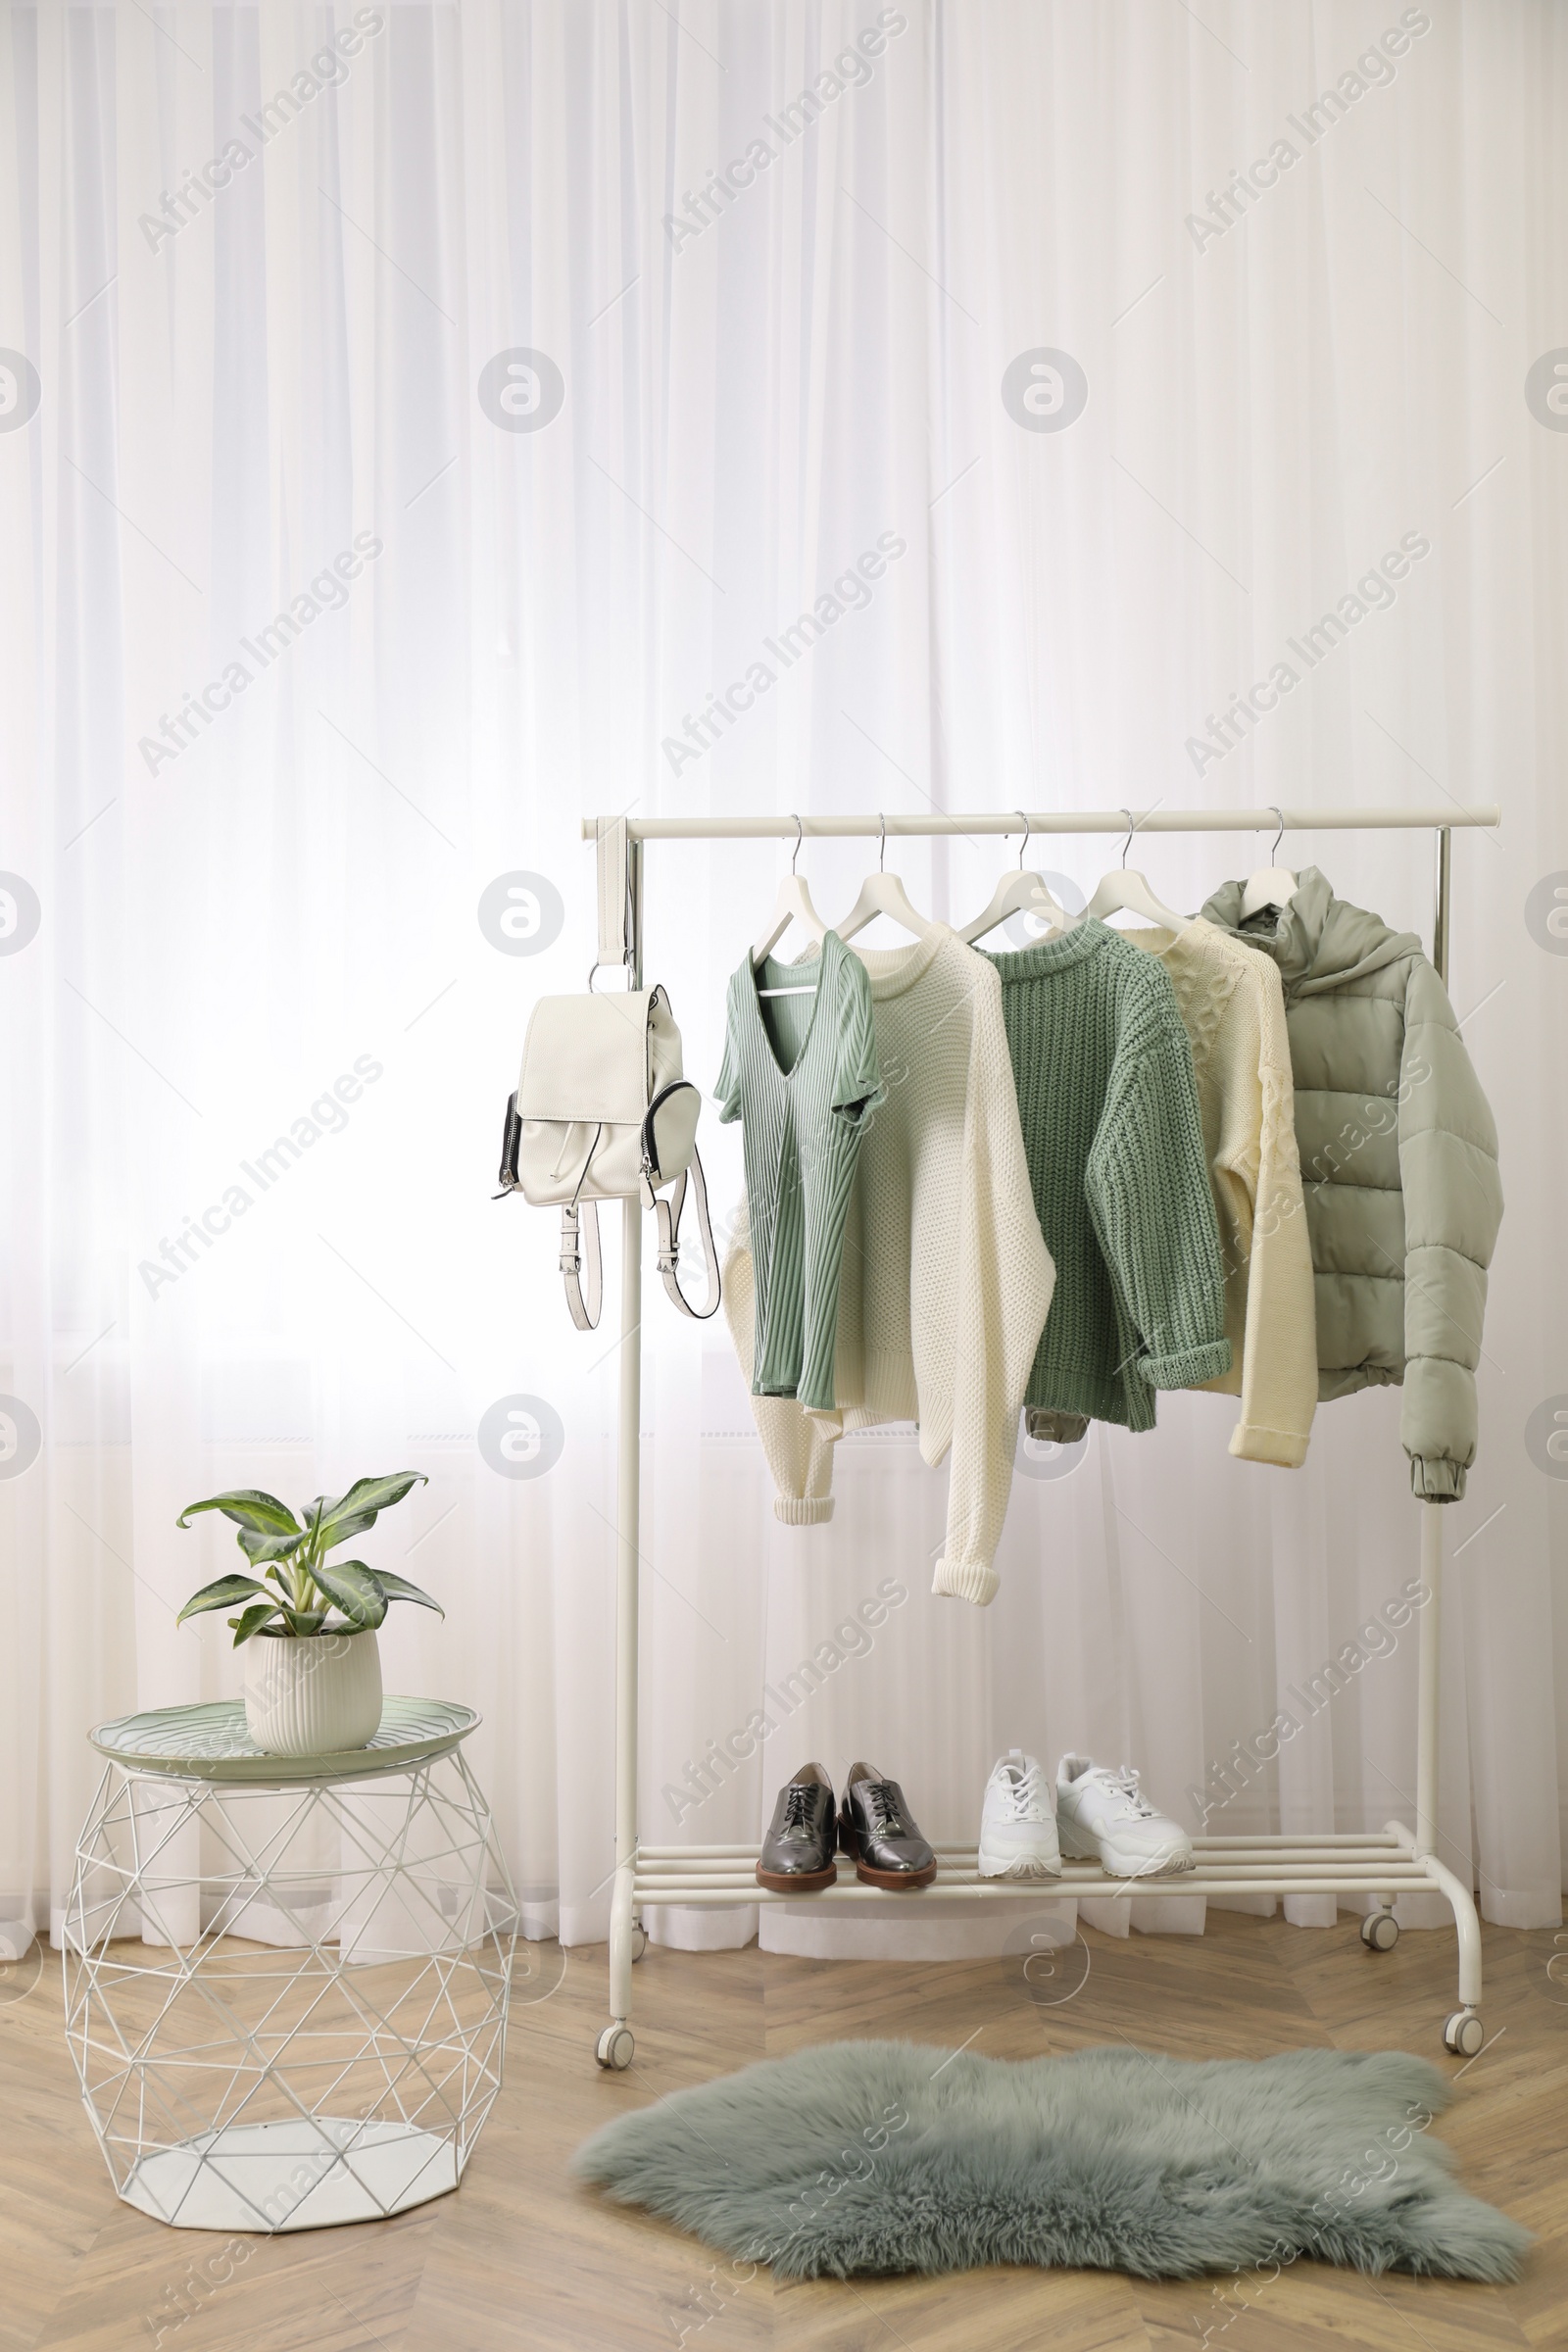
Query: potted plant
[[312, 1672]]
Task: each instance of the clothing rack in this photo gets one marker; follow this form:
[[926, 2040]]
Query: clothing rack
[[1393, 1861]]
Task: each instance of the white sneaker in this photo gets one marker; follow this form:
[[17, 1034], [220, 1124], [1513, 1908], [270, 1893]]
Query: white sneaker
[[1103, 1816], [1017, 1828]]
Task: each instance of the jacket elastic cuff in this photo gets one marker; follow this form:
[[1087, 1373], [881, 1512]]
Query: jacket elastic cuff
[[1251, 1442], [1188, 1367], [1436, 1479], [967, 1581], [802, 1511]]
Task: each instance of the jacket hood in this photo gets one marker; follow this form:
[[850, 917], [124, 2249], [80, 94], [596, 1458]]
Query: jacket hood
[[1318, 940]]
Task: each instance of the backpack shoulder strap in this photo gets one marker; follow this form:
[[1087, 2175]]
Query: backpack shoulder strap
[[669, 1214], [581, 1225]]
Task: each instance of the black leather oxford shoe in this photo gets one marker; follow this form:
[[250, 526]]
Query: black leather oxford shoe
[[797, 1856], [877, 1827]]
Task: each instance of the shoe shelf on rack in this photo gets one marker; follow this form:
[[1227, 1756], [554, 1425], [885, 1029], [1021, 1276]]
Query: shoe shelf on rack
[[713, 1877]]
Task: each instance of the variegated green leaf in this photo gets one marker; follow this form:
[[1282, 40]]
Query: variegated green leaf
[[303, 1622], [346, 1514], [398, 1587], [251, 1620], [248, 1508], [261, 1547], [354, 1589], [222, 1595]]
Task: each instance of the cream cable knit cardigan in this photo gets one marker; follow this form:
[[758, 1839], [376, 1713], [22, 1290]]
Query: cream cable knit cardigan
[[946, 1279], [1233, 1009]]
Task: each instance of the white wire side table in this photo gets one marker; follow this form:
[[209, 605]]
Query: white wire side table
[[287, 1978]]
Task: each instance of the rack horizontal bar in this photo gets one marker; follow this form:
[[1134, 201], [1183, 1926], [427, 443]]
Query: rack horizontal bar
[[1232, 1848], [682, 1896], [715, 1877], [1053, 821]]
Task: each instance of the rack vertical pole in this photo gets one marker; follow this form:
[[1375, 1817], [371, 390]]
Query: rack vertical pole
[[1430, 1647], [628, 1509]]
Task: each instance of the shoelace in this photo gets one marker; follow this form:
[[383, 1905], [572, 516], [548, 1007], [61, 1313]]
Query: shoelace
[[1022, 1793], [1125, 1783], [797, 1804], [887, 1821]]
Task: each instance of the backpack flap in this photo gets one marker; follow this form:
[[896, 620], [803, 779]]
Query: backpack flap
[[585, 1060]]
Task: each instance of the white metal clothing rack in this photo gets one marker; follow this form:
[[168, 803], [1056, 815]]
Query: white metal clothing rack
[[1386, 1863]]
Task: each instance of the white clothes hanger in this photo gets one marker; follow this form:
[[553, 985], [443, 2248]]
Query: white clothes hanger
[[883, 893], [1272, 885], [1016, 894], [1124, 892], [792, 905]]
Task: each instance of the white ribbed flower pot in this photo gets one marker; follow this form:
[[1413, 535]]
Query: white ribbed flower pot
[[313, 1696]]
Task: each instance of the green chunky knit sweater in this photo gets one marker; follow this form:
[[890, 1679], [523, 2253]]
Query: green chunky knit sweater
[[1108, 1106]]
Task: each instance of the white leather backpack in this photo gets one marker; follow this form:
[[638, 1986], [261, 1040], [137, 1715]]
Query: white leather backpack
[[601, 1113]]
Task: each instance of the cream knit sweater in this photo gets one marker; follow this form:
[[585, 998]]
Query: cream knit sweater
[[946, 1279], [1233, 1009]]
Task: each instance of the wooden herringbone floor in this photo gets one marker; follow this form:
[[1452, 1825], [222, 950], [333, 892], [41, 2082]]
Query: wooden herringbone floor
[[521, 2258]]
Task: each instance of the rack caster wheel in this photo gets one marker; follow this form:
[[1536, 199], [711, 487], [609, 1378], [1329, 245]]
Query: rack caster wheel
[[1464, 2034], [1380, 1930], [639, 1941], [615, 2049]]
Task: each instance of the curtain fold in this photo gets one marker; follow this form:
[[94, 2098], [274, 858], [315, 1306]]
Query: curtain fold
[[453, 423]]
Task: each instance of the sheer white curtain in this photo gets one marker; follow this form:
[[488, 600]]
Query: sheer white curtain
[[537, 435]]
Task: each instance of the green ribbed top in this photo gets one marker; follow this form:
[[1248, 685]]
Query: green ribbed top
[[1108, 1106], [801, 1074]]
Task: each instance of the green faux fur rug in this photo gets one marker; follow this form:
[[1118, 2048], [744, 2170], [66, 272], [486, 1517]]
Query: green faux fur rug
[[880, 2156]]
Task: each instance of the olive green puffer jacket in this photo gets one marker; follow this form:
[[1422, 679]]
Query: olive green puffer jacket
[[1399, 1166]]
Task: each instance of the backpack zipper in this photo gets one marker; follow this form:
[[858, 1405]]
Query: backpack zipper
[[651, 1167]]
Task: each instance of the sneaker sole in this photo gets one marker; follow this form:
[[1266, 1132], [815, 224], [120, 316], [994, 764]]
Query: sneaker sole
[[1178, 1867], [1028, 1866], [1080, 1848]]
